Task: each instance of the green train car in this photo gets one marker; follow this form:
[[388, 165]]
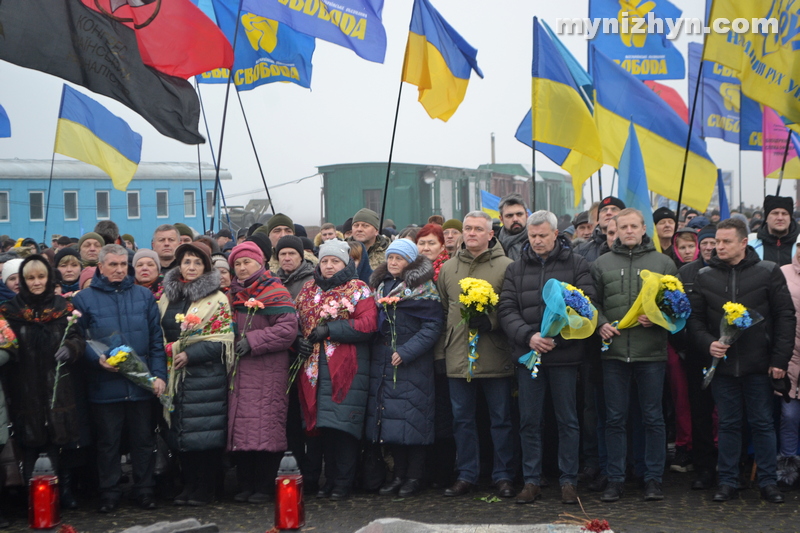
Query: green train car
[[418, 191]]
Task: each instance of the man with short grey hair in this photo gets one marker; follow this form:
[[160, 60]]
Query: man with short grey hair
[[166, 240], [482, 257], [520, 313], [512, 235], [118, 312]]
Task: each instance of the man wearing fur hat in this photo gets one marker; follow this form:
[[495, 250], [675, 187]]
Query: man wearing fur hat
[[365, 230], [775, 240]]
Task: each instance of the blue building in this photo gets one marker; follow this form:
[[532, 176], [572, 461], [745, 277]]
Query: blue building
[[81, 195]]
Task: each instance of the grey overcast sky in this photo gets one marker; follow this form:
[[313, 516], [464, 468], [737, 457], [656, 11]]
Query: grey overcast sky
[[347, 116]]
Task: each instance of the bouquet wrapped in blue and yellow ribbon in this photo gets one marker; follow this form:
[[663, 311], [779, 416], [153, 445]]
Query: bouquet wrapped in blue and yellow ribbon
[[568, 312]]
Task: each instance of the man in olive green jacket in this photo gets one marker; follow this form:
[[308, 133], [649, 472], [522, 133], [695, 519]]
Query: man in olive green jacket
[[482, 257], [638, 353]]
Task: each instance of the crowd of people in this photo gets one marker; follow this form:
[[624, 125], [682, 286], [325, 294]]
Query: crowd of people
[[352, 351]]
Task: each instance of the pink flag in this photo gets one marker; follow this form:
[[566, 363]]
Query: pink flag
[[775, 135]]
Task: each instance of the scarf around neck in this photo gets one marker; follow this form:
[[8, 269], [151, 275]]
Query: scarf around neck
[[317, 306], [265, 288], [212, 323]]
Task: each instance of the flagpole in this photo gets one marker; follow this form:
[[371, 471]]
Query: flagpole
[[591, 189], [689, 136], [741, 205], [225, 113], [255, 151], [600, 184], [49, 190], [783, 165], [533, 174], [613, 181], [202, 196], [391, 151], [213, 159]]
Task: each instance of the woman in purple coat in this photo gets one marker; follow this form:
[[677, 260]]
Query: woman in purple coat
[[266, 323]]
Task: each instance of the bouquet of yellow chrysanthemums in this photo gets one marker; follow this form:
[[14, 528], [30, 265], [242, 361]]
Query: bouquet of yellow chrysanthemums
[[735, 320], [477, 298]]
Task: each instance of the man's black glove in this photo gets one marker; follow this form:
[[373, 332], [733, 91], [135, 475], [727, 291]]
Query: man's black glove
[[304, 347], [242, 347], [481, 323], [319, 334], [62, 354]]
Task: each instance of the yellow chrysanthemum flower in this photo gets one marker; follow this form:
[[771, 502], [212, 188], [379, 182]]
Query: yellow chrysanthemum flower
[[179, 318], [117, 359], [733, 311], [671, 283]]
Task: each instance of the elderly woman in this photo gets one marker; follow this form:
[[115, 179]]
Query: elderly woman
[[220, 263], [39, 319], [266, 327], [400, 411], [68, 264], [198, 338], [337, 318], [147, 271]]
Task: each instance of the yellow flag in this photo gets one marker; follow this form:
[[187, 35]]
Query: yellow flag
[[766, 58]]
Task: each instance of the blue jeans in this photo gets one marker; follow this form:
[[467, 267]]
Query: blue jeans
[[649, 377], [465, 430], [561, 380], [755, 392], [790, 427]]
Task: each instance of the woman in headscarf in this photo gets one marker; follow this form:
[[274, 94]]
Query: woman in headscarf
[[68, 264], [198, 338], [147, 271], [267, 326], [337, 320], [45, 420], [400, 411]]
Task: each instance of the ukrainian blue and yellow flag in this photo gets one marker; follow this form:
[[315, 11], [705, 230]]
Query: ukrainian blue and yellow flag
[[5, 124], [559, 114], [490, 204], [633, 190], [438, 61], [90, 132], [662, 134]]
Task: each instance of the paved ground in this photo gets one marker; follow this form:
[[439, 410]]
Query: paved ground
[[682, 510]]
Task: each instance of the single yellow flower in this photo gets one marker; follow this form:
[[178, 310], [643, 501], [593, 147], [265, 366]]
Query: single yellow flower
[[179, 318]]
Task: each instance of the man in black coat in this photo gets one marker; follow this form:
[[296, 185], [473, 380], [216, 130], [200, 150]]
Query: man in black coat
[[608, 209], [736, 274], [701, 402], [776, 240], [520, 311]]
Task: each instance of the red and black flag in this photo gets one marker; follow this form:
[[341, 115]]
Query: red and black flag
[[66, 39], [175, 37]]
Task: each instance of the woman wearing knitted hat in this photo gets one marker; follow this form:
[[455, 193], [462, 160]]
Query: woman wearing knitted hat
[[147, 271], [337, 320], [257, 403], [11, 276], [198, 383], [400, 411]]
